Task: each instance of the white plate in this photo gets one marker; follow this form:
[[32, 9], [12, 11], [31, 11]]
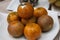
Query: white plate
[[41, 3], [4, 35]]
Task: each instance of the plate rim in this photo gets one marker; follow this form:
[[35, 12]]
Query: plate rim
[[4, 14]]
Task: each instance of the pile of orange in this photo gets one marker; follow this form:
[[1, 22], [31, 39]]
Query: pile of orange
[[29, 21]]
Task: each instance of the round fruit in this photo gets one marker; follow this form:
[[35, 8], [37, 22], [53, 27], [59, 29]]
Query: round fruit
[[46, 23], [32, 31], [24, 21], [32, 20], [16, 28], [40, 11], [12, 17], [25, 10]]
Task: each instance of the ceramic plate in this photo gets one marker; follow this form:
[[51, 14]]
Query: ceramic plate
[[4, 35]]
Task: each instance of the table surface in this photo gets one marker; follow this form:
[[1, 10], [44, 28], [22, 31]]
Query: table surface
[[5, 3]]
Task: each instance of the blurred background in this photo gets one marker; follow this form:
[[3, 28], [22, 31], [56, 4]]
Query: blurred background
[[3, 5]]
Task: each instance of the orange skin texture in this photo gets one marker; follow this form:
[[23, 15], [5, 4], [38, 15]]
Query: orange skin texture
[[31, 20], [12, 17], [24, 21], [16, 29], [25, 11], [40, 11], [46, 22], [32, 31]]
